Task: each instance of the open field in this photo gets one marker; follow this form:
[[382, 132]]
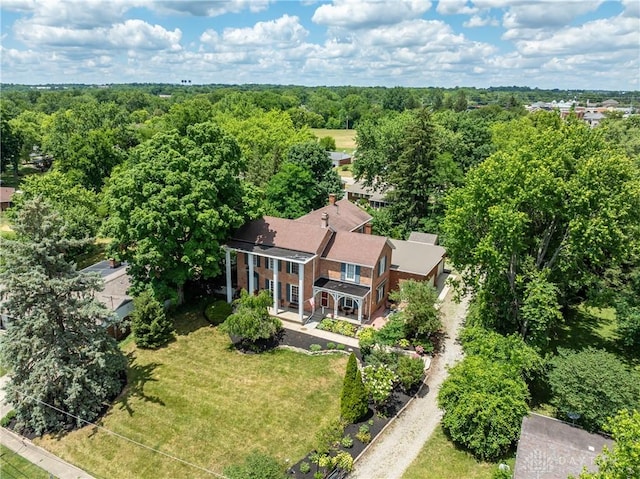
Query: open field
[[441, 459], [345, 139], [209, 405], [13, 466]]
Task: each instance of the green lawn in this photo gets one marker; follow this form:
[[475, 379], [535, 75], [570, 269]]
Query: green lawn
[[345, 139], [94, 255], [13, 466], [441, 459], [207, 404], [9, 179]]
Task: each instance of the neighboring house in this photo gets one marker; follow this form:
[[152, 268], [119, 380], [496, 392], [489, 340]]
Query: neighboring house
[[325, 261], [416, 259], [551, 449], [115, 293], [358, 191], [339, 158], [6, 195], [593, 118]]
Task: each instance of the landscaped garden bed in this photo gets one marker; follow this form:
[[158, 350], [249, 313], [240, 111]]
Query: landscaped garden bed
[[338, 326]]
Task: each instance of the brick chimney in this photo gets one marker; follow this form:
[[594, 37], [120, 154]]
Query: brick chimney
[[325, 220], [367, 228], [332, 199]]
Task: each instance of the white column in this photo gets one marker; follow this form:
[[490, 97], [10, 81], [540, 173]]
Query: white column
[[360, 303], [276, 265], [301, 292], [336, 299], [227, 258], [252, 287]]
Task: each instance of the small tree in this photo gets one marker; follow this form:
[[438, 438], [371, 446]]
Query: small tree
[[251, 320], [484, 403], [150, 325], [421, 316], [379, 381], [594, 384], [353, 401], [256, 466], [623, 461]]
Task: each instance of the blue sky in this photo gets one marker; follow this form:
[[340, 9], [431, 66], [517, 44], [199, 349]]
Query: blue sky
[[566, 44]]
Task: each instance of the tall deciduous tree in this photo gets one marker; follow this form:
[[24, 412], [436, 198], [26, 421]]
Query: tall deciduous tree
[[291, 192], [326, 179], [539, 220], [173, 206], [420, 314], [57, 347], [10, 145]]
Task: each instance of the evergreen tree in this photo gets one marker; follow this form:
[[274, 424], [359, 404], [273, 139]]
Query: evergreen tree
[[56, 345], [354, 403], [150, 325]]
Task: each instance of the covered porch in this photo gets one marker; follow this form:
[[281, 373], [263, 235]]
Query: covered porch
[[341, 299]]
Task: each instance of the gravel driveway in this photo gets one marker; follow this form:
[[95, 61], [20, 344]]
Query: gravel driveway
[[400, 444]]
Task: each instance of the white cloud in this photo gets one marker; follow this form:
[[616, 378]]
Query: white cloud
[[631, 8], [209, 8], [545, 14], [284, 31], [455, 7], [478, 21], [142, 35], [367, 13]]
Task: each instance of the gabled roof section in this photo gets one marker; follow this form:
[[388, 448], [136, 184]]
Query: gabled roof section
[[356, 248], [343, 216], [284, 233], [427, 238], [414, 257]]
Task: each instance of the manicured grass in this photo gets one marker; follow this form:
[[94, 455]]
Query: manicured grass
[[345, 139], [201, 401], [441, 459], [14, 466]]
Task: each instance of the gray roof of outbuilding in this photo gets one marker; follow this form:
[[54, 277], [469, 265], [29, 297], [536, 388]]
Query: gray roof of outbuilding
[[414, 257], [551, 449], [427, 238]]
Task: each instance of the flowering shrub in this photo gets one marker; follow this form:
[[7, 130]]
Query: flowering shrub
[[338, 326], [379, 381]]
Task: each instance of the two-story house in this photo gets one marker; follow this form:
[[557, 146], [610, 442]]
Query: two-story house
[[327, 259]]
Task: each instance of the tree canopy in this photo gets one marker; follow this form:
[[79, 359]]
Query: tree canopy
[[290, 193], [173, 205], [64, 365], [537, 221]]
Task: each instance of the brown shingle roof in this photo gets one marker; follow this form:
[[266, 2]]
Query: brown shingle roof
[[357, 248], [343, 216], [284, 233]]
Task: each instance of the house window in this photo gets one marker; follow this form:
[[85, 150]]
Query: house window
[[293, 293], [293, 268], [270, 286], [272, 264], [380, 292], [349, 303], [256, 261], [382, 266], [350, 272]]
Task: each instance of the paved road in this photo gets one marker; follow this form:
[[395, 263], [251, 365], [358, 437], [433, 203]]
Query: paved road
[[393, 452], [38, 456]]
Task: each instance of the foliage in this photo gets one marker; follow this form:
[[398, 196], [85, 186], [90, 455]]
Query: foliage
[[483, 403], [7, 418], [536, 222], [328, 143], [410, 372], [511, 351], [343, 461], [420, 313], [290, 192], [363, 436], [251, 320], [347, 441], [149, 324], [326, 180], [623, 460], [379, 381], [338, 326], [172, 207], [366, 340], [11, 142], [257, 465], [74, 203], [592, 383], [217, 312], [305, 467], [393, 331], [314, 348], [354, 402], [329, 436], [56, 346]]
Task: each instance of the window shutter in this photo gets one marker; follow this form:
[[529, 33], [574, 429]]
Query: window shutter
[[342, 271], [247, 280], [258, 261], [266, 283], [288, 293], [289, 267], [279, 265], [358, 274], [246, 259], [279, 289]]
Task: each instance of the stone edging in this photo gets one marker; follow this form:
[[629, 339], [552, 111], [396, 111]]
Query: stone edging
[[312, 353]]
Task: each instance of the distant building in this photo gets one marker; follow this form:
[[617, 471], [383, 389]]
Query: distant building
[[6, 196], [358, 191], [339, 158]]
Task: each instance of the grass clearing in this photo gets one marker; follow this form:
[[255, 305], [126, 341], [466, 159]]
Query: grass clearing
[[201, 401], [14, 466], [345, 139], [94, 254], [441, 459], [9, 179]]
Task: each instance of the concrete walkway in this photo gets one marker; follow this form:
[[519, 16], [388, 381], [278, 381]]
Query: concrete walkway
[[32, 453]]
